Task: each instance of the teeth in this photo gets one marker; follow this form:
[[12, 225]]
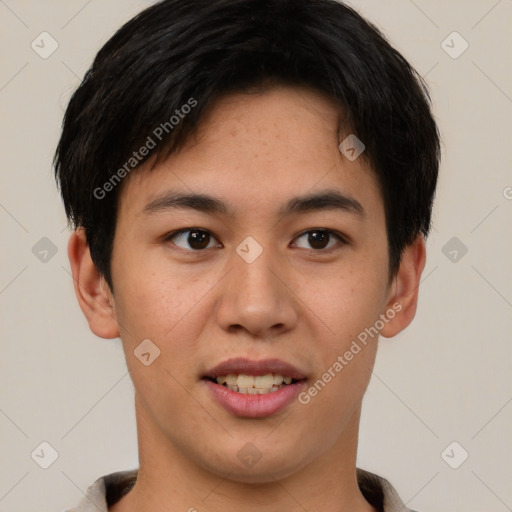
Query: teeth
[[245, 381], [231, 380], [256, 391], [263, 381], [251, 385], [278, 380]]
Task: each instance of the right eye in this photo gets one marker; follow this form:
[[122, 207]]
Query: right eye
[[197, 239]]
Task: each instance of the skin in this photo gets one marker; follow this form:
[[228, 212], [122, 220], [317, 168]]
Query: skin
[[297, 302]]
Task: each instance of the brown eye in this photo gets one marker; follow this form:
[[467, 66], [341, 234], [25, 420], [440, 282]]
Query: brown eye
[[318, 239], [195, 239]]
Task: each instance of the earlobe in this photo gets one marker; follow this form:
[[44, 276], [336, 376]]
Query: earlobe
[[403, 298], [93, 294]]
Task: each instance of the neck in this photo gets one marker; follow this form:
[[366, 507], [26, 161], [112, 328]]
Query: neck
[[169, 480]]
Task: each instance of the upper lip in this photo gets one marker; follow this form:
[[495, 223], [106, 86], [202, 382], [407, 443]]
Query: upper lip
[[242, 365]]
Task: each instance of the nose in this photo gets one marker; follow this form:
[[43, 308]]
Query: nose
[[256, 297]]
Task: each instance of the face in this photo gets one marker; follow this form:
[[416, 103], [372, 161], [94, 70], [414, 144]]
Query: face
[[261, 279]]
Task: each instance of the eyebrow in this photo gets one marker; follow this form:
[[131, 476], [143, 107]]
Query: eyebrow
[[323, 200]]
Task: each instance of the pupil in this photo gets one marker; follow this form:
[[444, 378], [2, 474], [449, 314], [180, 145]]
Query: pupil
[[200, 238], [318, 239]]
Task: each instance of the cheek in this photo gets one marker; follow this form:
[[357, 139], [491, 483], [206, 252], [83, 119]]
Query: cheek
[[344, 351], [348, 300], [151, 306], [346, 306], [171, 313]]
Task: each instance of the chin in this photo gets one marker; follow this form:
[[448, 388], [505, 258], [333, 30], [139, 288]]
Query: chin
[[262, 468]]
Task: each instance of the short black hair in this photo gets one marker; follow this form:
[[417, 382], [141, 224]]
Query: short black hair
[[191, 52]]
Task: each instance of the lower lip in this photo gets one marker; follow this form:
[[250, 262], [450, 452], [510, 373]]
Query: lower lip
[[254, 406]]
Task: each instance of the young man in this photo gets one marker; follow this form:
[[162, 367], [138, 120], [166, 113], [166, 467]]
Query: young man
[[250, 185]]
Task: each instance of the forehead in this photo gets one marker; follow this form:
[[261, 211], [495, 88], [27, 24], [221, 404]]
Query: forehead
[[257, 151]]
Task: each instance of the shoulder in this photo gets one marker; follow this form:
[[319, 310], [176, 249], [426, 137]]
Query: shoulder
[[105, 491], [93, 500], [380, 493]]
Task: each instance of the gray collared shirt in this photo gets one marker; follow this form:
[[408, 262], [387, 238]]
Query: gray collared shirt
[[108, 489]]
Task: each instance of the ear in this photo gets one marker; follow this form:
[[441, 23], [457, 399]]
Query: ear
[[92, 291], [403, 295]]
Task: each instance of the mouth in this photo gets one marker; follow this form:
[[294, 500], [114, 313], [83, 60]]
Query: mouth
[[250, 377], [254, 388], [251, 384]]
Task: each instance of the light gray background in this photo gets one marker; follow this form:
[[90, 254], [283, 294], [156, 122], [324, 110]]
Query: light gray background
[[446, 378]]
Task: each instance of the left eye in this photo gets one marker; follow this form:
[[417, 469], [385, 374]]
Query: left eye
[[319, 238]]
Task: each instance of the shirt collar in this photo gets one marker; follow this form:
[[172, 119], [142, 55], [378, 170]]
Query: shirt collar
[[108, 489]]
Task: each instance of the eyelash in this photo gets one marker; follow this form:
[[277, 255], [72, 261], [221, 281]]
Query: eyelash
[[341, 238]]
